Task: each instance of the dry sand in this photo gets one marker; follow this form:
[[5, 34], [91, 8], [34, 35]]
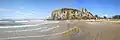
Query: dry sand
[[92, 30]]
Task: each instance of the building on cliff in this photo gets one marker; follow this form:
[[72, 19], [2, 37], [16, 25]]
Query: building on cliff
[[69, 14]]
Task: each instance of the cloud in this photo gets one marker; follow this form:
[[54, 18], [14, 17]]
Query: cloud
[[2, 9], [21, 8], [104, 15], [20, 13], [17, 12], [25, 14], [107, 15]]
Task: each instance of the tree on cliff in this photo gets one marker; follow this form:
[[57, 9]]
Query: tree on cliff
[[116, 17], [104, 17], [96, 16]]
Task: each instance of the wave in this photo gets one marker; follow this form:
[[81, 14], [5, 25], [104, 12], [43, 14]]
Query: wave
[[18, 26], [26, 30], [44, 29]]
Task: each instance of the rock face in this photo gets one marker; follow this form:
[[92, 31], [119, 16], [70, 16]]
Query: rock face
[[69, 14]]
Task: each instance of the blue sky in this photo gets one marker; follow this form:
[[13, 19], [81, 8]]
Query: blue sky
[[22, 9]]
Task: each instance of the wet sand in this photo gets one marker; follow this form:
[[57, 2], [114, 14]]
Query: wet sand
[[89, 31]]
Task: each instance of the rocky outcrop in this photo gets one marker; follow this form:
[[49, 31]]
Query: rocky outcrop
[[69, 14]]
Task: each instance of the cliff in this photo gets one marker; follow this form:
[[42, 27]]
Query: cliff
[[69, 14]]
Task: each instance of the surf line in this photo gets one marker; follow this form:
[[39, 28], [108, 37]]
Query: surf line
[[38, 36], [26, 30], [35, 29], [46, 22]]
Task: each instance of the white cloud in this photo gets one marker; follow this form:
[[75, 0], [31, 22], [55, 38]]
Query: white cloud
[[20, 13], [33, 12], [3, 9], [17, 12], [22, 8], [105, 15]]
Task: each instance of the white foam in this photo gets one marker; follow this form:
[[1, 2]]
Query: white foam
[[37, 36], [26, 30], [51, 21], [4, 21], [50, 28], [35, 29], [21, 21], [45, 22], [17, 26], [36, 20], [93, 22], [68, 21], [23, 37]]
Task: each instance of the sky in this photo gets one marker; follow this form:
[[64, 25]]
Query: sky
[[23, 9]]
